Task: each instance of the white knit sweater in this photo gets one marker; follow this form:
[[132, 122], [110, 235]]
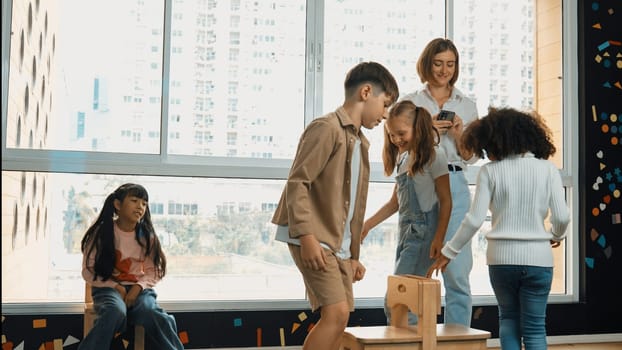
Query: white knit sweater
[[520, 192]]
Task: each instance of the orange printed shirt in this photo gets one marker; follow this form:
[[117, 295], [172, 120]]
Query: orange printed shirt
[[131, 264]]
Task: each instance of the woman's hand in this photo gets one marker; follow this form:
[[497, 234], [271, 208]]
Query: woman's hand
[[441, 125], [456, 128], [456, 133]]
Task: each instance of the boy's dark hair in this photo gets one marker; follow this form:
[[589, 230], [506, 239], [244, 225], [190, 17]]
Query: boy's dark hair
[[100, 235], [375, 74], [505, 132], [426, 60]]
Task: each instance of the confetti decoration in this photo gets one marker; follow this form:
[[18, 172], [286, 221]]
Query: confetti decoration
[[593, 234], [607, 252], [477, 313], [589, 262], [183, 337], [601, 241], [282, 335], [295, 326], [302, 316], [70, 340], [39, 323]]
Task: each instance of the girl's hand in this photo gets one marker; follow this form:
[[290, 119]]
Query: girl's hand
[[130, 297], [365, 231], [435, 248], [439, 264], [121, 289], [358, 270]]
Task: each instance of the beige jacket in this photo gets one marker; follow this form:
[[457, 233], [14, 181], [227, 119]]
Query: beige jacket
[[316, 198]]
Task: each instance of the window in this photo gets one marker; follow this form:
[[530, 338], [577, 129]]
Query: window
[[214, 146]]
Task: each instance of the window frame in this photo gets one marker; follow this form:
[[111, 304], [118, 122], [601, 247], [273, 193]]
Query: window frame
[[224, 167]]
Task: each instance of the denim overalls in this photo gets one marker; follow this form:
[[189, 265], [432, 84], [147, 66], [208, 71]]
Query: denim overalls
[[416, 232]]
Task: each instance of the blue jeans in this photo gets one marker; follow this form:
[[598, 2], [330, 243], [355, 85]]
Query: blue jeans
[[522, 293], [113, 317], [458, 302]]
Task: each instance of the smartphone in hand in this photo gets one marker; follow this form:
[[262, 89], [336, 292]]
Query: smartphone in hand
[[446, 115]]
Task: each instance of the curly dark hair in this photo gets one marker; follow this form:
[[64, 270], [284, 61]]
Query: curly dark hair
[[505, 132]]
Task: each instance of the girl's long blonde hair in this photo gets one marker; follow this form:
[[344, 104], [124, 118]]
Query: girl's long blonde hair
[[425, 138]]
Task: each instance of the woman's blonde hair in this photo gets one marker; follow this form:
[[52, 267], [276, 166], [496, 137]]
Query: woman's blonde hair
[[426, 60]]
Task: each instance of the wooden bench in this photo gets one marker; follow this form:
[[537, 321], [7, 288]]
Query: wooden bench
[[422, 296], [90, 315]]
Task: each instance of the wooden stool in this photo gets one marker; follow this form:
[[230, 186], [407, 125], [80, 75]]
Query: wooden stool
[[90, 315], [422, 296]]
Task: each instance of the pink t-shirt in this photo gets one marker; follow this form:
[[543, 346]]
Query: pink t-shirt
[[131, 265]]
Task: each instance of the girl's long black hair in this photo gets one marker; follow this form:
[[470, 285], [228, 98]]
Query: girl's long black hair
[[100, 235]]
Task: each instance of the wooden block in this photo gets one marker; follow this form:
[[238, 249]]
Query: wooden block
[[420, 295], [139, 338], [449, 337]]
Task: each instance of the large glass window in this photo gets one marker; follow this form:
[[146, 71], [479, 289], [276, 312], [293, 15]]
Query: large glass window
[[203, 102]]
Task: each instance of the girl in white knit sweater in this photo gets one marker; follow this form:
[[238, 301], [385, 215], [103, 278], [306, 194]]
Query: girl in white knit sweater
[[521, 188]]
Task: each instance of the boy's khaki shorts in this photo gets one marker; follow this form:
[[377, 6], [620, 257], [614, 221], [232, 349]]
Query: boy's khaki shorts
[[326, 287]]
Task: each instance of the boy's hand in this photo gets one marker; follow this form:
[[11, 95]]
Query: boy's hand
[[358, 270], [312, 253], [439, 264]]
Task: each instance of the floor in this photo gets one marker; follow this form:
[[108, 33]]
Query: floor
[[585, 346], [576, 346]]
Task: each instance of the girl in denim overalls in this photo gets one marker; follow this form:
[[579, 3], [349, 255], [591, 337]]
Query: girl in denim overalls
[[421, 193]]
